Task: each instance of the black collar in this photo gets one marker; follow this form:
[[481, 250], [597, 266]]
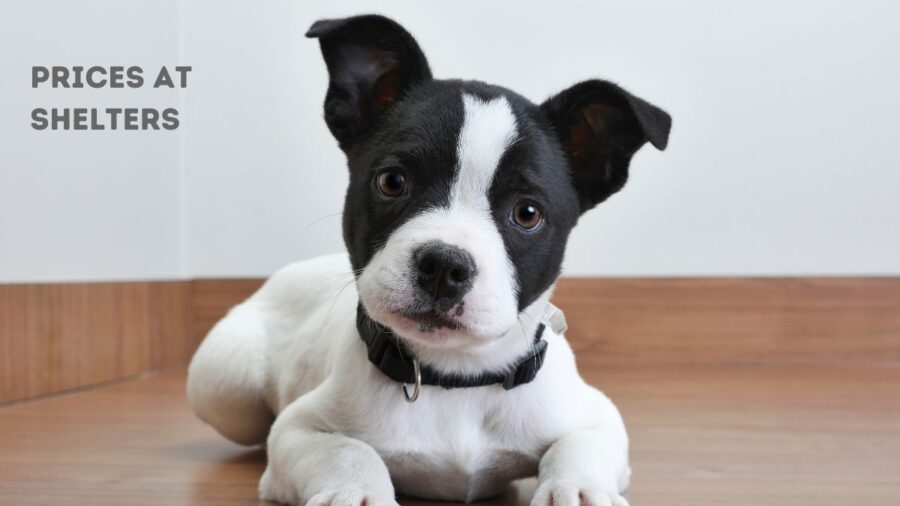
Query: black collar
[[393, 359]]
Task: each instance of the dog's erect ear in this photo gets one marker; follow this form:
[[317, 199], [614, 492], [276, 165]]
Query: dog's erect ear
[[372, 61], [601, 126]]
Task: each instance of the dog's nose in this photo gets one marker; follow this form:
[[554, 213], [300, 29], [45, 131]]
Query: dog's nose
[[444, 271]]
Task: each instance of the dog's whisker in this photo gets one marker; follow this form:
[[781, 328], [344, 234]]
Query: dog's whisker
[[309, 225], [529, 317], [331, 306]]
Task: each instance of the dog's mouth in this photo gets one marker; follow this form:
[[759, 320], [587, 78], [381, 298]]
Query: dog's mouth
[[428, 321]]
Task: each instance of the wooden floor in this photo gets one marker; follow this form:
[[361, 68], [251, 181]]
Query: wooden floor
[[700, 436]]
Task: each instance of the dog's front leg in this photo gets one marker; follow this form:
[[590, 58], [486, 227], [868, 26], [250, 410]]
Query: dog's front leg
[[587, 467], [310, 466]]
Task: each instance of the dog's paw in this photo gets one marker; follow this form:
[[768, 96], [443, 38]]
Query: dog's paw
[[350, 497], [561, 493], [273, 491]]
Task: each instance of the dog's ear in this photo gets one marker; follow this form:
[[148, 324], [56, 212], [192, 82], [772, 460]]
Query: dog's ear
[[600, 126], [372, 61]]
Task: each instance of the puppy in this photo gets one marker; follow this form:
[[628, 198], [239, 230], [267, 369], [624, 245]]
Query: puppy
[[429, 360]]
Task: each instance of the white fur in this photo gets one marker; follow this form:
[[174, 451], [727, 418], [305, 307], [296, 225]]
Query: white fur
[[343, 431], [344, 435]]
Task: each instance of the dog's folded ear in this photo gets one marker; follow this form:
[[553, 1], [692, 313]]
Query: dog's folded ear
[[372, 61], [600, 127]]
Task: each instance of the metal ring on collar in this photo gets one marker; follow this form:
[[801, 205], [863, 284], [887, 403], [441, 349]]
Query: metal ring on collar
[[415, 395]]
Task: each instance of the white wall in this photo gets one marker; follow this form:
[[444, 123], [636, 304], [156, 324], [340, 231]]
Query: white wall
[[784, 158], [86, 204]]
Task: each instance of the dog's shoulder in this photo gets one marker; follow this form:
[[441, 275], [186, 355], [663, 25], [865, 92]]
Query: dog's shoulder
[[307, 309], [306, 283]]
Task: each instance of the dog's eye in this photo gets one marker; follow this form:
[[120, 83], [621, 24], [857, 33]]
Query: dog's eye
[[391, 183], [527, 215]]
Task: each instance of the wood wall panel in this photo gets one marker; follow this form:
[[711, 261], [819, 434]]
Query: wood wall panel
[[56, 337], [846, 322]]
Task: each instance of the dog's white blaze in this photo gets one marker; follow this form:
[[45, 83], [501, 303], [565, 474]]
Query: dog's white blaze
[[489, 128]]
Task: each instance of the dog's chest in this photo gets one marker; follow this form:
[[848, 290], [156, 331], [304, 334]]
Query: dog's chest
[[458, 475], [455, 450]]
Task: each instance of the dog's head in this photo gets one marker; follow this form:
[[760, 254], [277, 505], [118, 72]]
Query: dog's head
[[462, 194]]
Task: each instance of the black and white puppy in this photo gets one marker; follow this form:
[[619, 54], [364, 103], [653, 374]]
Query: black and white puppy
[[460, 201]]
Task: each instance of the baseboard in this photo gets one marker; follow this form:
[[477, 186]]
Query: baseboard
[[827, 322], [55, 337]]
